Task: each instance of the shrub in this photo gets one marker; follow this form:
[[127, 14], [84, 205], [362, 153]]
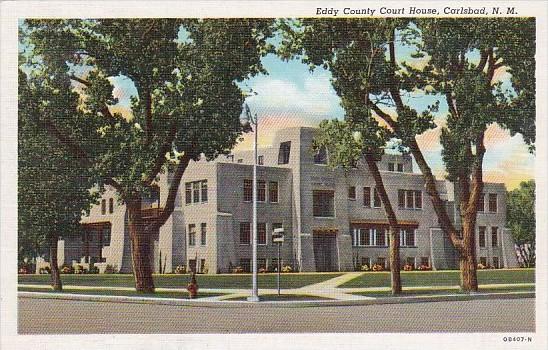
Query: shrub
[[262, 270], [44, 270], [238, 269], [364, 267], [110, 269], [79, 269], [425, 268], [481, 266], [180, 269], [287, 268], [408, 267], [93, 269], [66, 269], [378, 267]]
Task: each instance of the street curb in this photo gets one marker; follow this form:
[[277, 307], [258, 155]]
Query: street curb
[[275, 304]]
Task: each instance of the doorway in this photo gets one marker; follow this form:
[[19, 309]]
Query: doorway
[[325, 251]]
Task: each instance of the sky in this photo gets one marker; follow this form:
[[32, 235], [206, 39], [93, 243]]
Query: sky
[[291, 95]]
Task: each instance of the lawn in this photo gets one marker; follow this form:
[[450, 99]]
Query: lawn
[[288, 280], [441, 278], [128, 293], [444, 291]]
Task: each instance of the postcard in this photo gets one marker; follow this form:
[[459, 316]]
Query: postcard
[[277, 174]]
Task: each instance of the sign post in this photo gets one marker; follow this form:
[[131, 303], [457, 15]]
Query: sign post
[[278, 238]]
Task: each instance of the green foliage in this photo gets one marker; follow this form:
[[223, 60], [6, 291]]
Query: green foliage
[[53, 190], [520, 212], [185, 74]]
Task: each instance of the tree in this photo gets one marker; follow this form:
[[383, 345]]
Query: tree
[[354, 52], [53, 190], [520, 216], [187, 103], [451, 74]]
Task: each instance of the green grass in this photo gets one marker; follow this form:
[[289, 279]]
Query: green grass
[[283, 297], [441, 278], [288, 280], [175, 295], [443, 291]]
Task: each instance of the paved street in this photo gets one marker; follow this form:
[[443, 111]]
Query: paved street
[[63, 316]]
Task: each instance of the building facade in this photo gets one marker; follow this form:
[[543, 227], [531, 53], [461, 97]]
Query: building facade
[[333, 219]]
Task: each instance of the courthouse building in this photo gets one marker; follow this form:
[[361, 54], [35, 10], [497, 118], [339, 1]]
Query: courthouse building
[[333, 219]]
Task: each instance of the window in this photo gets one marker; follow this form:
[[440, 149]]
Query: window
[[245, 233], [352, 193], [285, 151], [493, 202], [418, 199], [245, 264], [321, 156], [376, 199], [381, 261], [260, 160], [103, 207], [400, 167], [248, 190], [273, 192], [410, 260], [230, 157], [188, 193], [195, 192], [364, 237], [204, 190], [409, 199], [261, 263], [240, 160], [203, 233], [191, 235], [192, 265], [391, 167], [407, 238], [401, 198], [380, 237], [106, 237], [323, 204], [496, 263], [202, 265], [367, 197], [261, 191], [494, 236], [425, 261], [481, 203], [261, 233], [482, 236], [111, 205]]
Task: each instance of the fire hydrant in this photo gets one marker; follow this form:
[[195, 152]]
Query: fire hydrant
[[192, 286]]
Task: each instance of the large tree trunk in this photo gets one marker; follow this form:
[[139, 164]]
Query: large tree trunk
[[140, 248], [467, 256], [394, 250], [55, 276]]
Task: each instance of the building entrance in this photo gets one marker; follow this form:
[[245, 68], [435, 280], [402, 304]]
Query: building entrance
[[325, 251]]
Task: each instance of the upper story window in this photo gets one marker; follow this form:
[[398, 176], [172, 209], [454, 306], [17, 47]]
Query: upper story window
[[103, 206], [285, 151], [203, 233], [352, 193], [191, 234], [261, 191], [409, 199], [111, 205], [481, 203], [230, 157], [248, 190], [494, 236], [367, 197], [273, 192], [493, 202], [321, 156], [260, 160], [245, 233], [391, 167], [395, 167], [481, 236], [261, 233], [323, 203], [376, 198], [196, 192], [241, 160], [400, 167]]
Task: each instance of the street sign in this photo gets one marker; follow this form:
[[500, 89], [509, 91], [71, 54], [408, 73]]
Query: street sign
[[278, 235]]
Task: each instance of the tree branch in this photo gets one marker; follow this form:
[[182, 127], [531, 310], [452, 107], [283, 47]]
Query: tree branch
[[172, 194], [160, 158], [383, 115]]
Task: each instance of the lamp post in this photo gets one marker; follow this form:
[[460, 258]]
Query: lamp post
[[253, 120]]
